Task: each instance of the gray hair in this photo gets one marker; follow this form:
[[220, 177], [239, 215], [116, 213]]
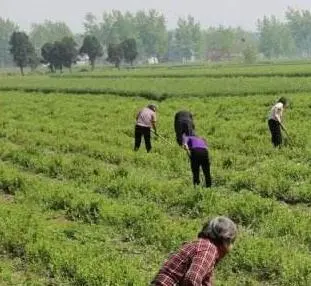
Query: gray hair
[[220, 229]]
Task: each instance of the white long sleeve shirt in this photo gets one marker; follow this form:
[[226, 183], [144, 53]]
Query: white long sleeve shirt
[[276, 112]]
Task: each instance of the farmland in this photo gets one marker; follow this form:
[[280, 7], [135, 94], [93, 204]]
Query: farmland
[[79, 207]]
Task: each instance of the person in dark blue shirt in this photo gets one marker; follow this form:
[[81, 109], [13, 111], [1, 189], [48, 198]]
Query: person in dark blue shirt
[[183, 124]]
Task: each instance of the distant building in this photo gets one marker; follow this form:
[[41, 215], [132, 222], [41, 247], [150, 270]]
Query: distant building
[[152, 60], [82, 60]]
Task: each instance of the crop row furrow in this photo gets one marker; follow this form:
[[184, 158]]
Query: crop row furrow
[[157, 96]]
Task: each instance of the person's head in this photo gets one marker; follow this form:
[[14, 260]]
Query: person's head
[[152, 107], [220, 230], [284, 101]]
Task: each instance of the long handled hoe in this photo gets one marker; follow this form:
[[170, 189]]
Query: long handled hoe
[[187, 151], [287, 135], [161, 137]]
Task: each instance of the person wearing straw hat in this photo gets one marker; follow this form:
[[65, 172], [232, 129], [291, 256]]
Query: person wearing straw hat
[[194, 263], [145, 120]]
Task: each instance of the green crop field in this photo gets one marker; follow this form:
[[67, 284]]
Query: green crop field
[[79, 207]]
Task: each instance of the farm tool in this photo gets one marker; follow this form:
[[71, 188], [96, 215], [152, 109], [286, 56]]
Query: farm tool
[[163, 138], [287, 135]]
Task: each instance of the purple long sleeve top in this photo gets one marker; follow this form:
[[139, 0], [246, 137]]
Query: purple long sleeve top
[[194, 142]]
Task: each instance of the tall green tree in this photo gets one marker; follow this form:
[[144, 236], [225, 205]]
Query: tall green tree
[[219, 42], [147, 28], [93, 27], [7, 27], [117, 27], [173, 51], [48, 32], [46, 53], [115, 54], [129, 48], [56, 56], [299, 25], [92, 48], [275, 38], [60, 53], [113, 28], [152, 34], [70, 51], [21, 49], [249, 54], [188, 37]]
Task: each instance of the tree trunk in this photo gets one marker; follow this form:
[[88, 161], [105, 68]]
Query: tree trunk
[[117, 63], [51, 68], [92, 64], [22, 70]]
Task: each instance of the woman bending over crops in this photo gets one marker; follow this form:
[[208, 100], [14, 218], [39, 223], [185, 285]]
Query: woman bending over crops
[[194, 262], [145, 120], [275, 121], [197, 150]]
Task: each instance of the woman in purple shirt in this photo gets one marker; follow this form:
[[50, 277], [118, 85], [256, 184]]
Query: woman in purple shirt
[[198, 153]]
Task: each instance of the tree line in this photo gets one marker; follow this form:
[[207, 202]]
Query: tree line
[[129, 36], [64, 53]]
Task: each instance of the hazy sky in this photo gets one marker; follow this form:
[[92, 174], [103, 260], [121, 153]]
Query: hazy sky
[[209, 13]]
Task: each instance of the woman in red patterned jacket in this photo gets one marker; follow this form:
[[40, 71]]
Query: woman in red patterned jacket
[[194, 262]]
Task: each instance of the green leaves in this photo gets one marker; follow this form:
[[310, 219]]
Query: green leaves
[[79, 207], [21, 49]]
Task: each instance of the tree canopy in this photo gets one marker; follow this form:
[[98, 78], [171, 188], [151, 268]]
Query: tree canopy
[[144, 34], [48, 32], [92, 48], [7, 28], [22, 50], [60, 53]]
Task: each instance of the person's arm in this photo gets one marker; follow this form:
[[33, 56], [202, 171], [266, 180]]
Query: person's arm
[[278, 113], [185, 141], [137, 115], [202, 264], [185, 145]]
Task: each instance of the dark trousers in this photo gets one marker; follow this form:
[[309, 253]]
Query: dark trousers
[[183, 127], [199, 158], [276, 135], [141, 131]]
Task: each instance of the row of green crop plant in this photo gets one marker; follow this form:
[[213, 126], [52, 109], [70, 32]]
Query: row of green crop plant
[[235, 155], [287, 180], [160, 88], [149, 193], [128, 183], [206, 72], [269, 232], [218, 70], [69, 253]]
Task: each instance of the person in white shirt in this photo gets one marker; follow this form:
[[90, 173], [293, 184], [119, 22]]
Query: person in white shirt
[[275, 121], [145, 120]]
